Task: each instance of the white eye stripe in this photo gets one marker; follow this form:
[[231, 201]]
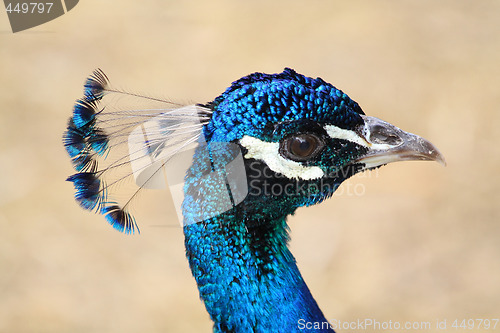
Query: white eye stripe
[[269, 153], [335, 132]]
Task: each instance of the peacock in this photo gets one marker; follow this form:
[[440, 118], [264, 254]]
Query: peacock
[[237, 167]]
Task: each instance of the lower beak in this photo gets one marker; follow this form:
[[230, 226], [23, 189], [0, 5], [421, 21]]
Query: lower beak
[[387, 143]]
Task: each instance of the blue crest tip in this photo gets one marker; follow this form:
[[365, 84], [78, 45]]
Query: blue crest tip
[[87, 186], [120, 219], [98, 141], [84, 113], [95, 86], [84, 162], [74, 141]]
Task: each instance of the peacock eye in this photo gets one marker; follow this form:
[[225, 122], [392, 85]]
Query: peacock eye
[[301, 147]]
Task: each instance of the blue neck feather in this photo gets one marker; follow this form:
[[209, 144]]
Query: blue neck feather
[[240, 259], [249, 284]]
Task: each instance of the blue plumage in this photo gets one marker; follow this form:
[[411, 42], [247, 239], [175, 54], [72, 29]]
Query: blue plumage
[[74, 140], [120, 219], [98, 141], [84, 113], [256, 102], [84, 140], [95, 86], [269, 144], [87, 187]]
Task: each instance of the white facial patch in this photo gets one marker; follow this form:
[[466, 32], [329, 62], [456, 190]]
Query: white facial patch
[[269, 153]]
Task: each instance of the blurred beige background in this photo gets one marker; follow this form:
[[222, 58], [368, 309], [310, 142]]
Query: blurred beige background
[[410, 242]]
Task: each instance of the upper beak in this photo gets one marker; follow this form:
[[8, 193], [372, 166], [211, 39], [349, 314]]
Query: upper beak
[[387, 143]]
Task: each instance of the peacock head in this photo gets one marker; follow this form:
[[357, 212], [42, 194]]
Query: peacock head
[[267, 145], [301, 138]]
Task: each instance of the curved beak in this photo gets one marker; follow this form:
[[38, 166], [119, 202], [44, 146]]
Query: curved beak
[[387, 143]]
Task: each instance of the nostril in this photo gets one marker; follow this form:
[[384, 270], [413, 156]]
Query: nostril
[[382, 135]]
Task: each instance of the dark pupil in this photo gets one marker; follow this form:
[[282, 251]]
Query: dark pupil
[[303, 146]]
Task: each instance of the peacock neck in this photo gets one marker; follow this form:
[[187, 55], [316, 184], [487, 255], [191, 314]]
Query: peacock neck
[[247, 276]]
